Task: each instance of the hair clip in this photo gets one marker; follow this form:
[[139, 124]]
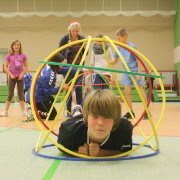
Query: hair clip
[[74, 21]]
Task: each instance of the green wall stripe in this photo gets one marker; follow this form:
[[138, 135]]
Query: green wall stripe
[[177, 54], [177, 25], [177, 68]]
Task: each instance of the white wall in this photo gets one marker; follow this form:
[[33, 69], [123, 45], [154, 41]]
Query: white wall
[[40, 36]]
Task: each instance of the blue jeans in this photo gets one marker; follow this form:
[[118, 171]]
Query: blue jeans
[[101, 82]]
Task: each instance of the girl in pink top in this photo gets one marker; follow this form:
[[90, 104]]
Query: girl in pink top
[[15, 66]]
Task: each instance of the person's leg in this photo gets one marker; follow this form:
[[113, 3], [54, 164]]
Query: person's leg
[[127, 91], [20, 88], [44, 108], [141, 88], [97, 81], [29, 112], [145, 99], [53, 112], [143, 93], [11, 86], [68, 105], [41, 110], [105, 81], [5, 112], [16, 99], [78, 90], [148, 92], [69, 100]]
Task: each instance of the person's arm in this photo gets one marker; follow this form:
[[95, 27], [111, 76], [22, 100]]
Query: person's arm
[[104, 152], [94, 150], [48, 83], [21, 76], [64, 70], [139, 67], [110, 55], [63, 41], [115, 61], [92, 61], [6, 64], [83, 150]]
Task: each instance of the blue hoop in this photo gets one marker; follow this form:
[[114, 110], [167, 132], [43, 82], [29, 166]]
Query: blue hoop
[[95, 159]]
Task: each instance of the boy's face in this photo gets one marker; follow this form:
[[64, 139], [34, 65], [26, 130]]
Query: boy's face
[[99, 42], [122, 39], [99, 128]]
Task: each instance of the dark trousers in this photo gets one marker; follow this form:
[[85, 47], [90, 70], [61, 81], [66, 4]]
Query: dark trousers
[[11, 86], [44, 108], [78, 92], [101, 82], [148, 94]]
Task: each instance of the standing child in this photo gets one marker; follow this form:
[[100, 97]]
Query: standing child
[[134, 66], [98, 129], [98, 59], [15, 66]]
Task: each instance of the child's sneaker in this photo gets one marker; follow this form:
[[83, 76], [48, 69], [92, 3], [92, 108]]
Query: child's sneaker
[[24, 113], [30, 117], [146, 116], [128, 115], [4, 114], [77, 109], [29, 113]]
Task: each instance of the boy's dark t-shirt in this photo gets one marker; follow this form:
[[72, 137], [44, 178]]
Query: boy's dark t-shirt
[[73, 134]]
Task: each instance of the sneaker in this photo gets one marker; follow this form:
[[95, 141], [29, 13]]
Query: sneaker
[[43, 115], [77, 109], [128, 115], [16, 104], [30, 117], [4, 114], [69, 115], [146, 116], [24, 113]]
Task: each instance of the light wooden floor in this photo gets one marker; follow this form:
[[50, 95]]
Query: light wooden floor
[[19, 138]]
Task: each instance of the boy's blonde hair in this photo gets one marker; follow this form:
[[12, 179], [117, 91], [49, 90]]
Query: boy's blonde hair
[[121, 32], [102, 102]]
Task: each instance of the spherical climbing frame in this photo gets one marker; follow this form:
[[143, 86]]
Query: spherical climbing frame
[[47, 132]]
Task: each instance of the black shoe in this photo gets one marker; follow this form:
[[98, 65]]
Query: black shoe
[[128, 115], [146, 116], [69, 115], [77, 108]]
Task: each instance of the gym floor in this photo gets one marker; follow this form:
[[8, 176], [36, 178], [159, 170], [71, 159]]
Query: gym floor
[[18, 138]]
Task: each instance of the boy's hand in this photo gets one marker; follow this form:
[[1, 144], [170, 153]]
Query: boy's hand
[[94, 149], [66, 87], [138, 78], [87, 71], [83, 150]]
